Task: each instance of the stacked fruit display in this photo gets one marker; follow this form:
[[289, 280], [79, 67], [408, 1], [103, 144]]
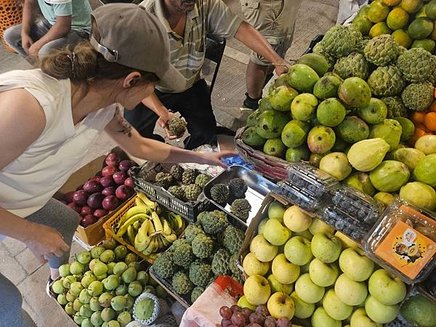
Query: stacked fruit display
[[233, 194], [301, 270], [103, 192], [208, 248], [148, 228], [410, 22], [100, 286], [352, 122]]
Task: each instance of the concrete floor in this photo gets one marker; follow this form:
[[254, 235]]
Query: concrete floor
[[17, 262]]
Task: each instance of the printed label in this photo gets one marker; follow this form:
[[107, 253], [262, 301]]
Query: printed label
[[406, 249]]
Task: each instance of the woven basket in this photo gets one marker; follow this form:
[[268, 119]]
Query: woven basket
[[271, 167], [11, 13]]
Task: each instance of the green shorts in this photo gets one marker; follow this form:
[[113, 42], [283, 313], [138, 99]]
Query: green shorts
[[275, 20]]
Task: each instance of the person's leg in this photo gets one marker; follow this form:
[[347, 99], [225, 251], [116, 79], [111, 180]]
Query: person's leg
[[12, 37], [143, 120], [72, 38], [62, 218], [11, 312], [255, 78], [196, 107]]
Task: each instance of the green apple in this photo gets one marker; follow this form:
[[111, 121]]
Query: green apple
[[303, 309], [262, 249], [307, 290], [243, 303], [280, 305], [349, 291], [379, 312], [296, 219], [334, 307], [323, 274], [346, 241], [275, 233], [276, 286], [276, 211], [318, 226], [261, 226], [326, 247], [297, 250], [320, 318], [257, 290], [283, 270], [359, 318], [304, 233], [252, 266], [387, 289], [355, 264]]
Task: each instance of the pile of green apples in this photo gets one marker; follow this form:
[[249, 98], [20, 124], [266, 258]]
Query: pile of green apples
[[302, 270], [100, 286]]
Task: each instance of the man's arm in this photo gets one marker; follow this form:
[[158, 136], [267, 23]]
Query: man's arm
[[60, 29], [26, 24], [248, 35]]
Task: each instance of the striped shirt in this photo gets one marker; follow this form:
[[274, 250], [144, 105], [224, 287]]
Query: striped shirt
[[187, 52]]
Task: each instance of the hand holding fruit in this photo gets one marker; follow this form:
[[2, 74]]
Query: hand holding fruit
[[214, 158], [44, 242]]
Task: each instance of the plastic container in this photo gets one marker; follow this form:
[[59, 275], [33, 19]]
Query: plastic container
[[258, 188], [144, 176], [403, 241], [308, 187]]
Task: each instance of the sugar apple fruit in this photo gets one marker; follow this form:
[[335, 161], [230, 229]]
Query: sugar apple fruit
[[191, 231], [396, 107], [353, 65], [164, 180], [176, 126], [196, 292], [183, 255], [241, 208], [319, 49], [202, 246], [176, 171], [220, 193], [188, 176], [181, 283], [417, 65], [386, 81], [215, 222], [164, 265], [202, 179], [382, 50], [232, 239], [418, 96], [200, 273], [220, 262], [233, 267], [192, 191], [177, 191], [339, 41], [237, 187]]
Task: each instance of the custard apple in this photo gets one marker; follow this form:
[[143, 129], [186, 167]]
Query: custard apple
[[202, 246], [191, 231], [192, 192], [220, 193], [220, 262], [232, 239], [196, 292], [319, 49], [202, 179], [417, 66], [164, 265], [181, 283], [215, 222], [177, 191], [382, 50], [386, 81], [353, 65], [241, 208], [176, 126], [200, 273], [182, 255], [396, 107], [233, 267], [176, 171], [237, 187], [339, 41], [188, 176], [164, 180], [418, 96]]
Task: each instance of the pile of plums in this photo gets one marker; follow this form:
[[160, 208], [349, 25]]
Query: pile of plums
[[236, 316]]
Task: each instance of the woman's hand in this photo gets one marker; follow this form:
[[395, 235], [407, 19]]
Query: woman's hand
[[214, 158], [45, 242]]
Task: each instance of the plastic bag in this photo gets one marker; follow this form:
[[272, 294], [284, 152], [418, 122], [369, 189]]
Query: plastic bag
[[348, 9], [204, 312]]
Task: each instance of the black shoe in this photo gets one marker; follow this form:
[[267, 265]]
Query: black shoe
[[48, 286], [251, 103]]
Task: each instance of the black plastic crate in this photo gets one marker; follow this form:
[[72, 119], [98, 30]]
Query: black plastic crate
[[144, 176]]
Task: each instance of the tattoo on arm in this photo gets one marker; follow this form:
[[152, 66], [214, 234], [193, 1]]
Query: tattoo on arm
[[126, 128]]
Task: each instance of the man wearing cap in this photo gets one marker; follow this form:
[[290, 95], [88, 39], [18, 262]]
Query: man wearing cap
[[62, 22], [61, 108], [187, 23]]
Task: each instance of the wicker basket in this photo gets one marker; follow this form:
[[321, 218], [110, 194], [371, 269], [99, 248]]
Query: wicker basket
[[11, 13], [110, 225], [269, 166]]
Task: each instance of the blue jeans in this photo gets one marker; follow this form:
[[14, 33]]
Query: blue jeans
[[12, 36]]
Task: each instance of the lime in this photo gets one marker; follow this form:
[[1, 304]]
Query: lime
[[379, 29], [377, 12], [402, 38], [397, 18]]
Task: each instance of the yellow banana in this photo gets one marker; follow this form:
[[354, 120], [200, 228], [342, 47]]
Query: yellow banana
[[123, 229], [142, 238], [163, 243], [131, 234], [170, 238], [166, 227], [130, 213], [156, 222], [147, 201], [152, 247], [137, 224]]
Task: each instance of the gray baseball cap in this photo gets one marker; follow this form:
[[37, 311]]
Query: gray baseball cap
[[132, 37]]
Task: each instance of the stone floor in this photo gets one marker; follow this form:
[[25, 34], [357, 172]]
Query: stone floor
[[17, 262]]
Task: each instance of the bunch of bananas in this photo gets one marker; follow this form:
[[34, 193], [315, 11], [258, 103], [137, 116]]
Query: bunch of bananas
[[149, 229]]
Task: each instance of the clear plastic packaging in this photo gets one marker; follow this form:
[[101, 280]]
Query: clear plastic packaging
[[404, 242], [308, 187]]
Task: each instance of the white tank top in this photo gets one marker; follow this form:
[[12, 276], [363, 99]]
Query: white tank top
[[28, 182]]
